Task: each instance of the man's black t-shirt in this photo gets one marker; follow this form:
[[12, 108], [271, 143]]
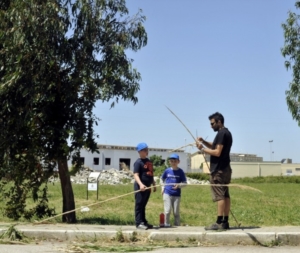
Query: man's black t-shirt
[[224, 138]]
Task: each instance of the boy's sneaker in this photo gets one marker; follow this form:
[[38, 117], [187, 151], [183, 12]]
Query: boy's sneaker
[[214, 226], [150, 226], [142, 226], [225, 225]]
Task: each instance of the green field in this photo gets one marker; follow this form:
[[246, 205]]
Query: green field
[[277, 205]]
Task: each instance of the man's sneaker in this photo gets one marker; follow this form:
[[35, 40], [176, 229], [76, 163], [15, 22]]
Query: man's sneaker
[[167, 225], [142, 226], [214, 226], [225, 225], [150, 226]]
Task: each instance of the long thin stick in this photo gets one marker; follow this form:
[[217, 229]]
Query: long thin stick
[[238, 224], [189, 133], [191, 144], [182, 124]]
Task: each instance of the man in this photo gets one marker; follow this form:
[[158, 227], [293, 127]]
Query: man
[[220, 170]]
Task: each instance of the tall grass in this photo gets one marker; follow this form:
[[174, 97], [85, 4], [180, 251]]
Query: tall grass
[[278, 205]]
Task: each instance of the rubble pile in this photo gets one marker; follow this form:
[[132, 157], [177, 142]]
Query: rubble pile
[[112, 177]]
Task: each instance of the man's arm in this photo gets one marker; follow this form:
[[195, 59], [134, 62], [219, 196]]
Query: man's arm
[[206, 143], [214, 152]]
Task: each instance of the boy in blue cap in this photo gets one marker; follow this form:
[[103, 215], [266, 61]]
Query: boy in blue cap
[[174, 179], [143, 175]]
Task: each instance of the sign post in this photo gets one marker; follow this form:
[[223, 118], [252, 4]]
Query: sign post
[[92, 183]]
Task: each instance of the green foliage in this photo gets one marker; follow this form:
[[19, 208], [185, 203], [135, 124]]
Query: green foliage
[[133, 237], [12, 234], [158, 164], [291, 51], [156, 160], [158, 171], [119, 236], [198, 176], [57, 58]]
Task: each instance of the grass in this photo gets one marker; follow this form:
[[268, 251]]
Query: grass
[[277, 206]]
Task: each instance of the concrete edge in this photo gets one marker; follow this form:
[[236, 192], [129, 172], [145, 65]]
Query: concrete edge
[[220, 238], [223, 238]]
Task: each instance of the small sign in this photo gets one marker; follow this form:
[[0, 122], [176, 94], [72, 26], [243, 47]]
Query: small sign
[[92, 186], [92, 183]]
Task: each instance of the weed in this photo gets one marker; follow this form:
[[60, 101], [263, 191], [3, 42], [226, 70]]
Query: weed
[[12, 234], [133, 237], [191, 240], [273, 243], [119, 236]]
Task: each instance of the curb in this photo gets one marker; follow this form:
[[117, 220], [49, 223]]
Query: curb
[[92, 233]]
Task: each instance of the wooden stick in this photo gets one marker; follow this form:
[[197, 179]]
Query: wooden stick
[[189, 133], [191, 144]]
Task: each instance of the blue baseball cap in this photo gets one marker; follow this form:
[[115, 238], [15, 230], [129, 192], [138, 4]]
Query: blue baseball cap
[[174, 156], [141, 146]]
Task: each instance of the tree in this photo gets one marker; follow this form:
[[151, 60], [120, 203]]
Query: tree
[[156, 160], [57, 58], [291, 51]]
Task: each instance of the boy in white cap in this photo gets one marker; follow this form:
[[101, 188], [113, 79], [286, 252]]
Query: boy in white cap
[[174, 179], [143, 175]]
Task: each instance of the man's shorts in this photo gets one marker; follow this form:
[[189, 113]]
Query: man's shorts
[[220, 177]]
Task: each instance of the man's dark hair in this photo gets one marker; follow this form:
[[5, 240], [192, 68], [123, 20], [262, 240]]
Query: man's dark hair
[[217, 117]]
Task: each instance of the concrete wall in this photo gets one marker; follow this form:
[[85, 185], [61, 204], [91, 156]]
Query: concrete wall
[[245, 169], [290, 169], [251, 169]]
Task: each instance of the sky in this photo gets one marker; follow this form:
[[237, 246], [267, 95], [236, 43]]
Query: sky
[[205, 56]]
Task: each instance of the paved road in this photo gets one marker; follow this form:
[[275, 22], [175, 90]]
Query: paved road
[[46, 247], [230, 249], [62, 247]]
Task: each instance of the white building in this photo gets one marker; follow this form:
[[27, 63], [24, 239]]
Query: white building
[[111, 156]]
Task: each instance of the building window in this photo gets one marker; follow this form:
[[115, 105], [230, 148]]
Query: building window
[[96, 160], [297, 169], [81, 160], [107, 161]]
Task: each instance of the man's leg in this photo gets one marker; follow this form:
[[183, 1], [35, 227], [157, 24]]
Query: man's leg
[[227, 206]]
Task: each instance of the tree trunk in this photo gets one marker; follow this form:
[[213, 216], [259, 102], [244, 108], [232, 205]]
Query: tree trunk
[[67, 192]]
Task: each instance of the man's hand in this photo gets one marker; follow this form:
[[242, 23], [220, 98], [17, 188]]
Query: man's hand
[[200, 139], [199, 145]]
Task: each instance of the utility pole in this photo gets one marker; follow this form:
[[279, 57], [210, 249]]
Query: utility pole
[[271, 141]]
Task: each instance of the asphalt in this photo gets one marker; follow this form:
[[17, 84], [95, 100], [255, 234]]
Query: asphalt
[[284, 235]]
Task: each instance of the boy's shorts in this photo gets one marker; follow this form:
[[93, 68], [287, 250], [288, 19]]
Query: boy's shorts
[[220, 177]]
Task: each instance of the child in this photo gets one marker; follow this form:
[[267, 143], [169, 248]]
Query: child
[[143, 175], [174, 178]]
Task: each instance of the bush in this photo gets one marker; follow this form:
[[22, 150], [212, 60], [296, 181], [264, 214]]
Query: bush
[[159, 170]]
